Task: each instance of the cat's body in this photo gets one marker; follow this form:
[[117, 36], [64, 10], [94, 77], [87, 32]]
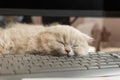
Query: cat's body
[[14, 40], [53, 40]]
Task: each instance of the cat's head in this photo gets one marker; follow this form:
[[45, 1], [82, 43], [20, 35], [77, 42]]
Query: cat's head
[[63, 40]]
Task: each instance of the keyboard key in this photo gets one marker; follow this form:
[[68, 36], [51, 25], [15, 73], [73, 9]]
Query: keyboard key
[[73, 68], [22, 71], [67, 62], [109, 66], [75, 65], [17, 59], [117, 60], [102, 62], [6, 72], [38, 70], [52, 58], [26, 58], [57, 62], [66, 65], [115, 55], [78, 68], [56, 66], [93, 63], [104, 55], [77, 62], [44, 57], [84, 63], [8, 56], [92, 67], [61, 59], [109, 60], [46, 66], [112, 62]]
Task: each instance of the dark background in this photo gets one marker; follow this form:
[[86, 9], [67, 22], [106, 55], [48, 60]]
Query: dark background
[[110, 8], [106, 5], [112, 5], [53, 4]]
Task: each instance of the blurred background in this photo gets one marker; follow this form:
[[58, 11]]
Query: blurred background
[[105, 31]]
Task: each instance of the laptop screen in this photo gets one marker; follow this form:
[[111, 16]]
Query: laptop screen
[[54, 5], [52, 8]]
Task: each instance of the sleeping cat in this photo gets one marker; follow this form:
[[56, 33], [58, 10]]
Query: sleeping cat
[[53, 40]]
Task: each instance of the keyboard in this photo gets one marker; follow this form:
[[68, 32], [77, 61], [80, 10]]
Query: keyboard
[[28, 64]]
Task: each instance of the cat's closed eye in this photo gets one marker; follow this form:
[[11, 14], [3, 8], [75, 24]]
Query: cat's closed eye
[[75, 46], [61, 42]]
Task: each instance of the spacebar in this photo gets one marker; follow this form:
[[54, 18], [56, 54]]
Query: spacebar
[[35, 70], [72, 68]]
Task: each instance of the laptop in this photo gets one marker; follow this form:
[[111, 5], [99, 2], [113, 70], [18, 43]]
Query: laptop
[[104, 56]]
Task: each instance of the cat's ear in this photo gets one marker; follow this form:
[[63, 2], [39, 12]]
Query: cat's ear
[[87, 38]]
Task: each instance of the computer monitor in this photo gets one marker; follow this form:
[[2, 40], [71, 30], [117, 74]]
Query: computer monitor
[[52, 8]]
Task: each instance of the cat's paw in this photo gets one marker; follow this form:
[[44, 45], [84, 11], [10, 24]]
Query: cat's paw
[[82, 54], [70, 54]]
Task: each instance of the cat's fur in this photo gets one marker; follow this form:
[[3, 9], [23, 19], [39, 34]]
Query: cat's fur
[[53, 40]]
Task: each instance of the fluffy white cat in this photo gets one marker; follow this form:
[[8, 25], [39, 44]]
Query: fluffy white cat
[[52, 40]]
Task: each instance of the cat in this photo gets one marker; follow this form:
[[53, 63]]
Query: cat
[[54, 40]]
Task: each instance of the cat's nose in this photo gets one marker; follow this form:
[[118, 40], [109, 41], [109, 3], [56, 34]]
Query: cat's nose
[[67, 50]]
